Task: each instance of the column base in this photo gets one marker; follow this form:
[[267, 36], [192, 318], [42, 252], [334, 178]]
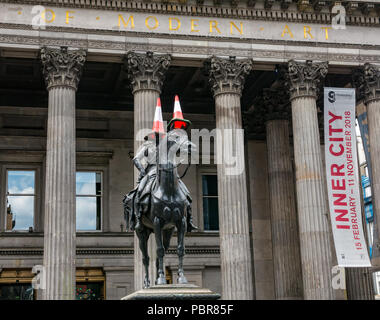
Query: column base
[[173, 292]]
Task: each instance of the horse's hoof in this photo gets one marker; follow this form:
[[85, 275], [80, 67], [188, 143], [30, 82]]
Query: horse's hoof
[[146, 284], [161, 280], [182, 279]]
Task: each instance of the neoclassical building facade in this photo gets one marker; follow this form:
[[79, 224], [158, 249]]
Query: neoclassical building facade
[[79, 79]]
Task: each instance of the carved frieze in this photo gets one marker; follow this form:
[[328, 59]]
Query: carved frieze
[[146, 70], [227, 75], [62, 67], [304, 79]]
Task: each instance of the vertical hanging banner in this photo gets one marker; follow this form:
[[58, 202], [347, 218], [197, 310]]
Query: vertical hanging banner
[[343, 179]]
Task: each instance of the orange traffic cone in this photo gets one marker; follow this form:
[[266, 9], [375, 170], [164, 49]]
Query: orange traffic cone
[[158, 123], [178, 122]]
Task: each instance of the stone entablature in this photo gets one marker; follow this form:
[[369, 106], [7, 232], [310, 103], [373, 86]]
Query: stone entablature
[[358, 12]]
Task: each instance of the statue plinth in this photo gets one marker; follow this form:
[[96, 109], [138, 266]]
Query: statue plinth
[[173, 292]]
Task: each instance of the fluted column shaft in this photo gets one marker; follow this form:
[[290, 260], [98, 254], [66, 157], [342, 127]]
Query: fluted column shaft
[[227, 77], [59, 241], [367, 81], [359, 284], [313, 216], [285, 238], [236, 263], [146, 73], [313, 220], [359, 280], [60, 222]]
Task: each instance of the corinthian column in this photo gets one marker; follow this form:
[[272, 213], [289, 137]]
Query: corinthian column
[[62, 70], [146, 73], [285, 238], [370, 87], [314, 224], [227, 78]]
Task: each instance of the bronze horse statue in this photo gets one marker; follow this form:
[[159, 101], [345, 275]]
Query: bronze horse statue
[[168, 206]]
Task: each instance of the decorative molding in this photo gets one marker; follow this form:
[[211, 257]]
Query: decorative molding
[[103, 251], [146, 71], [304, 79], [117, 46], [227, 75], [62, 67]]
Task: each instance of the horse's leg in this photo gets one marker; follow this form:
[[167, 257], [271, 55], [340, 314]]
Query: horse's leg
[[181, 228], [160, 251], [143, 235], [167, 235]]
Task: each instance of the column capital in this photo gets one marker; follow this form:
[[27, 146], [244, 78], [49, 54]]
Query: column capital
[[367, 80], [61, 67], [277, 103], [227, 75], [146, 71], [272, 104], [304, 79]]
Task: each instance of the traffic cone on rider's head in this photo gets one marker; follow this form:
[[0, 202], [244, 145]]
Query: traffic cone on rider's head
[[158, 123], [178, 122]]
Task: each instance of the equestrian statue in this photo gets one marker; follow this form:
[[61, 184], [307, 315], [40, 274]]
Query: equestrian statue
[[161, 202]]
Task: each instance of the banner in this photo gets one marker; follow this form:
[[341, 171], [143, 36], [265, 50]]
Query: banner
[[343, 178]]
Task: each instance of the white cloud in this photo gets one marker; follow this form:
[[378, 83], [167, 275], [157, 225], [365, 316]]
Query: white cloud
[[23, 211], [86, 213]]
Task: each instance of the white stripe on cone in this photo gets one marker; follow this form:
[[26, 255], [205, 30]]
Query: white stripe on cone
[[177, 114], [158, 122]]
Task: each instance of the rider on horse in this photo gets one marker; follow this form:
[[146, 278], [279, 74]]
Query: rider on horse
[[145, 162]]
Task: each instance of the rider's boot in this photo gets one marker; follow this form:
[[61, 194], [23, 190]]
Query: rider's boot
[[138, 224], [190, 225]]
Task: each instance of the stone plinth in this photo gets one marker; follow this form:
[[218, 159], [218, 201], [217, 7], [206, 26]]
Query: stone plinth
[[173, 292]]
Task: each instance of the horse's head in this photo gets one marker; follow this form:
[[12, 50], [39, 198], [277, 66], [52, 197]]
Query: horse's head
[[179, 143]]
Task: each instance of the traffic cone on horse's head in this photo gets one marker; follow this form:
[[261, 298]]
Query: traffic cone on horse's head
[[178, 122], [158, 123]]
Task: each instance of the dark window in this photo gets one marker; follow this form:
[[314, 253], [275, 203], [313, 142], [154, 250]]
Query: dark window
[[88, 200], [16, 291], [210, 202], [20, 199]]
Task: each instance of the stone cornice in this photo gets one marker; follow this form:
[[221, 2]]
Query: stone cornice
[[26, 43], [227, 75], [304, 79], [312, 14], [146, 71], [62, 67]]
